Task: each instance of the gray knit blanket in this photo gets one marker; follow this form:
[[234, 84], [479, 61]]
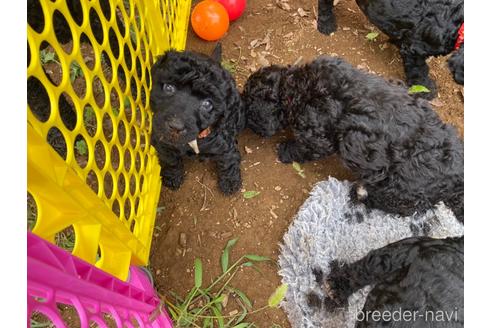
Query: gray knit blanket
[[328, 227]]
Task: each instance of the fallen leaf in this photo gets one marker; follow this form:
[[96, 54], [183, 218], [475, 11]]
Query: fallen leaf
[[289, 35], [262, 60], [282, 4], [251, 67], [302, 12], [436, 102], [371, 36], [253, 44], [250, 194], [416, 88]]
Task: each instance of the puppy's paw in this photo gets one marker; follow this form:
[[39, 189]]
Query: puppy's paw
[[327, 25], [288, 152], [229, 184], [314, 301], [172, 179], [283, 153], [337, 287]]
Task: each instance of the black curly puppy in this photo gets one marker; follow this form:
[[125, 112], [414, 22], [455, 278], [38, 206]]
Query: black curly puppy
[[419, 28], [406, 158], [421, 276], [197, 110]]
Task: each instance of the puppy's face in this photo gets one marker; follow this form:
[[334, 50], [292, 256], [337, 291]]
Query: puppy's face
[[261, 97], [186, 98]]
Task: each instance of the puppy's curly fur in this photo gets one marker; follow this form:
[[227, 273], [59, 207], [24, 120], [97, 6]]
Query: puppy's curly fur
[[415, 274], [406, 158], [419, 28], [192, 93]]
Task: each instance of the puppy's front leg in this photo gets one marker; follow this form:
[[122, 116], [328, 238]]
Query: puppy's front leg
[[417, 73], [326, 19], [172, 169], [378, 265], [229, 170]]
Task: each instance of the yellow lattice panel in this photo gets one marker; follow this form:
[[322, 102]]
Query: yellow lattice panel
[[88, 84]]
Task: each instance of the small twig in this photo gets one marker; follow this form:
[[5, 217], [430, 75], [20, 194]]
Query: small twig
[[204, 205], [298, 61]]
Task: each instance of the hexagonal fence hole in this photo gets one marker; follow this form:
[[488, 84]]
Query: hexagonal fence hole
[[69, 314], [98, 91], [81, 151], [66, 110], [32, 212], [65, 239], [116, 208], [100, 154], [127, 209], [78, 79], [90, 120], [38, 99], [121, 184], [108, 127], [115, 157], [62, 30], [108, 185], [57, 141], [39, 319], [122, 133], [92, 181], [35, 16]]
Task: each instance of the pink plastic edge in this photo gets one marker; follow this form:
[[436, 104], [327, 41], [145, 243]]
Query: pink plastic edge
[[56, 276]]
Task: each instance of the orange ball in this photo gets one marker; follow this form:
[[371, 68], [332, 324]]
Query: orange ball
[[210, 20]]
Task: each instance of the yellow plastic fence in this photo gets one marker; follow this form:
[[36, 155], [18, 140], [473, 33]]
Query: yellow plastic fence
[[90, 163]]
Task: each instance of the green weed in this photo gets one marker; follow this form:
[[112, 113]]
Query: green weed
[[205, 306]]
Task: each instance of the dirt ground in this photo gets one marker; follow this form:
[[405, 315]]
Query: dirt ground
[[266, 34]]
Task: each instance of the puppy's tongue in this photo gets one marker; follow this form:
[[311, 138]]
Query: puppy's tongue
[[194, 145]]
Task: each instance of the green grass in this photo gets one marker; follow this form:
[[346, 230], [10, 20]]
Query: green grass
[[66, 239], [32, 212], [205, 306], [229, 65], [48, 56], [75, 71], [296, 166], [38, 324], [81, 147]]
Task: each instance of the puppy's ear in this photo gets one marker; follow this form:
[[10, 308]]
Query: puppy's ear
[[456, 64], [217, 53], [160, 60]]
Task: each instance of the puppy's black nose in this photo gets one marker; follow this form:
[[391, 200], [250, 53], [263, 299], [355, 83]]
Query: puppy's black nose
[[176, 124]]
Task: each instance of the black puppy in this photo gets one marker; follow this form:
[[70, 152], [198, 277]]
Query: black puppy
[[421, 276], [406, 158], [419, 28], [197, 110]]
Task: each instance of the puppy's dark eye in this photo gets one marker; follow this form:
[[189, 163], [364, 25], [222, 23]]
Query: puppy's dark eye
[[206, 105], [168, 89]]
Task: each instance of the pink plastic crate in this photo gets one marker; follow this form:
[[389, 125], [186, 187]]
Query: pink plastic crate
[[55, 276]]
